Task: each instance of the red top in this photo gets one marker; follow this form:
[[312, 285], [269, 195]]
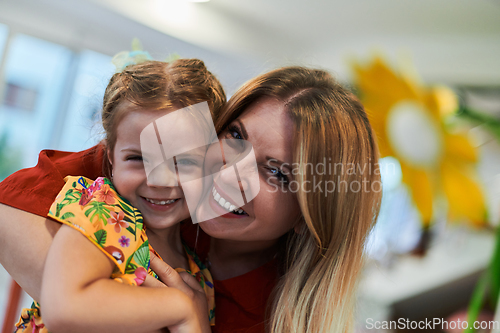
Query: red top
[[240, 302]]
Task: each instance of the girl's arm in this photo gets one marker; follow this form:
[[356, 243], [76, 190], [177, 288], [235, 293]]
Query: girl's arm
[[78, 295], [183, 281], [25, 239]]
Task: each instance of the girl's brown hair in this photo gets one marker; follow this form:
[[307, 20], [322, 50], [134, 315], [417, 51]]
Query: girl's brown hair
[[321, 265], [158, 85]]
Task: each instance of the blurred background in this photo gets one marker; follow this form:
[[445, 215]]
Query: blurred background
[[428, 72]]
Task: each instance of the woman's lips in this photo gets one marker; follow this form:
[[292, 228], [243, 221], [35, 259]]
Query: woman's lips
[[224, 212]]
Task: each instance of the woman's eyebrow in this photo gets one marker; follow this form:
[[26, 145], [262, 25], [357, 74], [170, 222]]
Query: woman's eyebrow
[[243, 129]]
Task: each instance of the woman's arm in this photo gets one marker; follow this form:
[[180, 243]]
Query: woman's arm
[[78, 295], [25, 239]]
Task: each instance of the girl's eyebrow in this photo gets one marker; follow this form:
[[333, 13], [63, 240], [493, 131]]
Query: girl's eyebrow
[[130, 150], [194, 152]]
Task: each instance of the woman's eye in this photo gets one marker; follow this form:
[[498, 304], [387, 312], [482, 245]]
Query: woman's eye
[[279, 175], [234, 132], [234, 139]]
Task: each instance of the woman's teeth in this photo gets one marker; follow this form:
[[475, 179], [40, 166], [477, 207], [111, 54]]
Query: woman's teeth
[[160, 202], [226, 204]]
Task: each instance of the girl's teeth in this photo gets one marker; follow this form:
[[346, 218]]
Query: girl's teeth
[[217, 197], [222, 201], [160, 202], [232, 207]]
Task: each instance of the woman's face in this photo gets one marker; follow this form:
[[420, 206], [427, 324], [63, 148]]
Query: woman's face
[[275, 209]]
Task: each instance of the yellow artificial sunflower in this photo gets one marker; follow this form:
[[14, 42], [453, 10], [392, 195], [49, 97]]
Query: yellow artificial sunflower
[[408, 121]]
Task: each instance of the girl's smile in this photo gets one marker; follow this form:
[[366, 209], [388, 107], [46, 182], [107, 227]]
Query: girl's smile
[[158, 195]]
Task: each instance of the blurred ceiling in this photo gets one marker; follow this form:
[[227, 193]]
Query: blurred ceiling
[[455, 41], [449, 41]]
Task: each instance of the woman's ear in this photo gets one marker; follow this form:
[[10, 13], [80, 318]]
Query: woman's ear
[[300, 227]]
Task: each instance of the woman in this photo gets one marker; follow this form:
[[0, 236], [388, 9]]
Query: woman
[[303, 239]]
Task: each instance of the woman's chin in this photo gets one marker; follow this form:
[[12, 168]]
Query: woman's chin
[[218, 226]]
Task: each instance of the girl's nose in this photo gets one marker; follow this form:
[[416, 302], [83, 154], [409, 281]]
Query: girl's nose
[[163, 175]]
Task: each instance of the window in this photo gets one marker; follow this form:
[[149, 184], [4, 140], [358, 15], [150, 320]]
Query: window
[[81, 127], [51, 98]]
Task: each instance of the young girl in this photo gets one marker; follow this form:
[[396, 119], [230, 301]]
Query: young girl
[[77, 294]]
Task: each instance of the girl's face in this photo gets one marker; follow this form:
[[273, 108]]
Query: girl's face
[[275, 209], [160, 199]]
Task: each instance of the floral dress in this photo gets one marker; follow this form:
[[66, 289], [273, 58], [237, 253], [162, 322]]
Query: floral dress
[[116, 227]]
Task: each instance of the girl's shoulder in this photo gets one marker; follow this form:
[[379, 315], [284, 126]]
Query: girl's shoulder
[[95, 209]]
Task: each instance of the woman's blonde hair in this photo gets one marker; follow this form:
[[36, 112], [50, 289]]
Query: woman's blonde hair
[[158, 85], [322, 263]]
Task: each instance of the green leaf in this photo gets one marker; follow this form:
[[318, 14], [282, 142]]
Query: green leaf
[[489, 122], [126, 208], [85, 182], [98, 209], [101, 236], [141, 255], [58, 209], [71, 196], [131, 230], [130, 268], [495, 271], [67, 215], [476, 302]]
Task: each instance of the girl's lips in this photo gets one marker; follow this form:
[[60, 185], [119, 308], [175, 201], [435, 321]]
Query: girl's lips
[[159, 207]]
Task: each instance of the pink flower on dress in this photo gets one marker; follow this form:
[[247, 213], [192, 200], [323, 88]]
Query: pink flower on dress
[[96, 185], [141, 274], [105, 194], [99, 182], [124, 241], [117, 220]]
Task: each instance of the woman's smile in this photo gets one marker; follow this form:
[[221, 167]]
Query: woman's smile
[[235, 210], [223, 205]]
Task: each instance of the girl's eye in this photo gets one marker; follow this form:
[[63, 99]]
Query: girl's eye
[[279, 175], [134, 158], [186, 162]]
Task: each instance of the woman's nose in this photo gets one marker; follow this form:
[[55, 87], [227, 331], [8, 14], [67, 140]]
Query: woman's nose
[[163, 175], [240, 176]]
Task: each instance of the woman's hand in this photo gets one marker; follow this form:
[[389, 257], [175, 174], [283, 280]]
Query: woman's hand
[[197, 320]]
